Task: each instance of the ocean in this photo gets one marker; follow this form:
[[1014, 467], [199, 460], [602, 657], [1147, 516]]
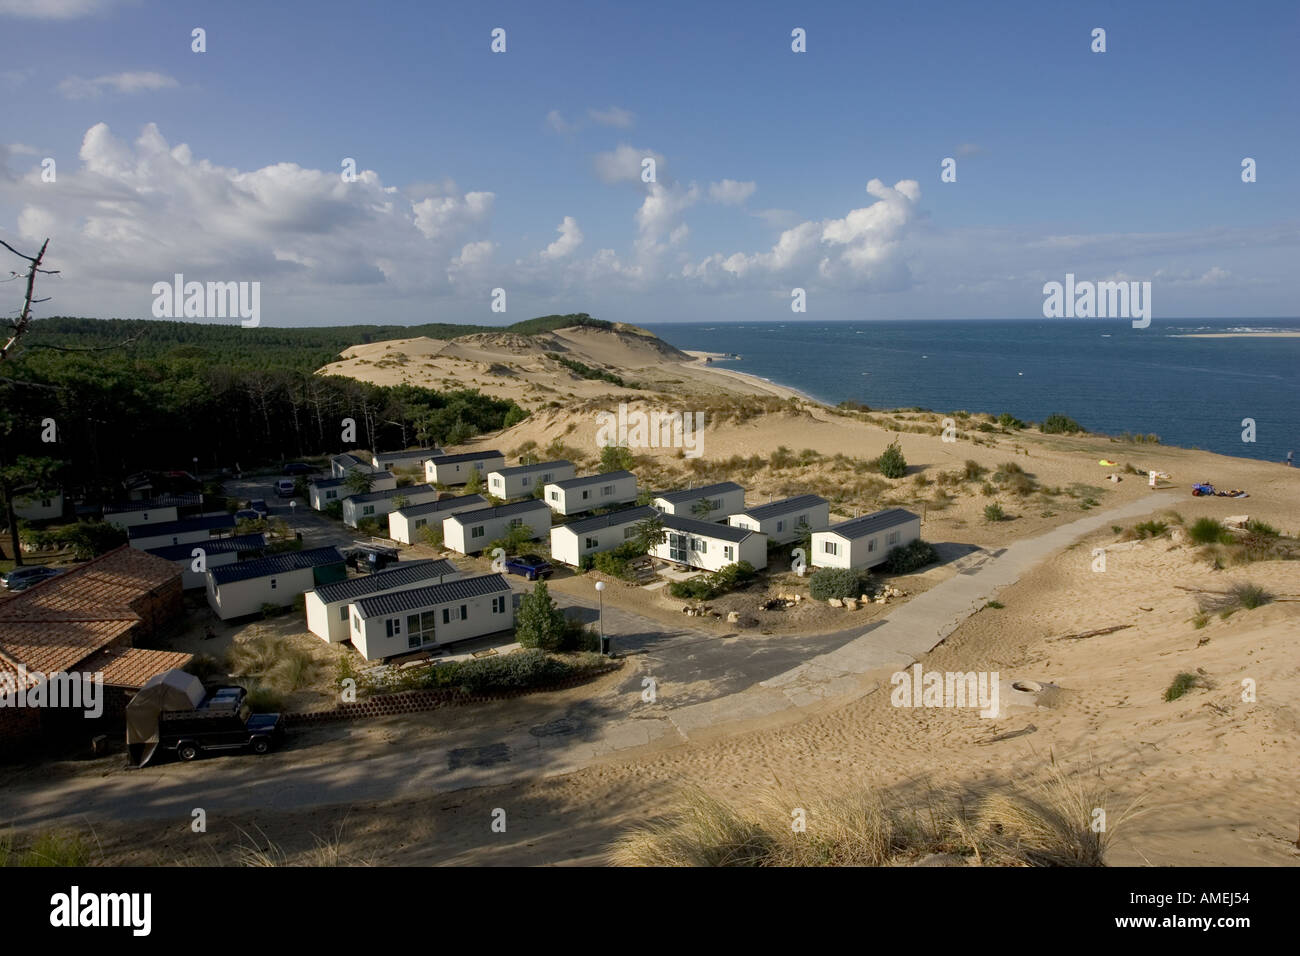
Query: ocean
[[1107, 375]]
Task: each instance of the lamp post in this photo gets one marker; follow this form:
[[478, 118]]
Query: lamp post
[[600, 588]]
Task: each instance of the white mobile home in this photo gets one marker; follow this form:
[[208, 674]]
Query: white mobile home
[[866, 541], [708, 545], [343, 465], [522, 479], [194, 530], [724, 498], [244, 587], [572, 542], [128, 514], [216, 553], [324, 490], [329, 605], [456, 469], [577, 495], [404, 621], [784, 521], [31, 505], [411, 458], [377, 504], [405, 524], [471, 531]]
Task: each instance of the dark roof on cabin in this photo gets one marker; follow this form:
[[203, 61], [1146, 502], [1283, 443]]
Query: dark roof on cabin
[[784, 506], [872, 523], [442, 504], [707, 529], [529, 469], [500, 511], [400, 576], [415, 598], [622, 516], [335, 482], [695, 494], [240, 542], [162, 501], [198, 523], [276, 564], [409, 453], [389, 493], [591, 479], [467, 456]]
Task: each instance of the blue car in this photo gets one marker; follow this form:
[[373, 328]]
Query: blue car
[[530, 566], [20, 579]]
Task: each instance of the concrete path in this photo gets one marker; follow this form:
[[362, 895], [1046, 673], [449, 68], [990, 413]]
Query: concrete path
[[740, 679]]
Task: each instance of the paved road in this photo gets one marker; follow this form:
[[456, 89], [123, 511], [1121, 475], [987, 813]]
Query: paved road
[[705, 682]]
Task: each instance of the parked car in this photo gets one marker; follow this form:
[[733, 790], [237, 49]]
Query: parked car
[[371, 558], [531, 566], [224, 721], [298, 468], [259, 505], [20, 579], [284, 488], [248, 514]]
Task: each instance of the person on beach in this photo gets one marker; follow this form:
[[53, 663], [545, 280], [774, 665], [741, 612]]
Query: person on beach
[[1289, 456]]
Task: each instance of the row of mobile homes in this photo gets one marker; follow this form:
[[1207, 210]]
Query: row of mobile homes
[[785, 520], [186, 531], [866, 541], [577, 495], [324, 490], [724, 498], [244, 587], [194, 560], [405, 524], [377, 504], [521, 480], [411, 458], [708, 545], [343, 465], [31, 505], [572, 542], [400, 622], [456, 469], [329, 605], [471, 531], [128, 514]]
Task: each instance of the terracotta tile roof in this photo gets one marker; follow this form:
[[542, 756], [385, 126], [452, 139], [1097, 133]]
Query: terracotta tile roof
[[52, 626], [130, 667]]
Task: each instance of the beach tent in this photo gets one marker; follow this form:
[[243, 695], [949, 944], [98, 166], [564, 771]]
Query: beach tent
[[170, 690]]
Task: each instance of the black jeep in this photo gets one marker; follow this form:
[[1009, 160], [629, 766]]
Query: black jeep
[[223, 721]]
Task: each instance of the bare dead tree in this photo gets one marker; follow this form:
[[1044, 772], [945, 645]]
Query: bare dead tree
[[18, 327]]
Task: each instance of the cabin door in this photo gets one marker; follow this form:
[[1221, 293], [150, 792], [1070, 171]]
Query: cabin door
[[677, 548]]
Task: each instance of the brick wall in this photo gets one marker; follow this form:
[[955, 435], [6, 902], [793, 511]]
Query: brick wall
[[160, 607]]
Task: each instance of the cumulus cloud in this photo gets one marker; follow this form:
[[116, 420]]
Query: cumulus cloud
[[53, 9], [75, 88], [623, 164], [729, 192], [570, 239], [614, 116], [556, 121]]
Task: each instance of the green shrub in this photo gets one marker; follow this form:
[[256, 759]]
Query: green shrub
[[539, 623], [1207, 531], [1057, 424], [334, 509], [616, 562], [615, 458], [1007, 420], [994, 512], [891, 463], [1150, 529], [910, 557], [827, 583], [712, 585], [973, 470], [1182, 684]]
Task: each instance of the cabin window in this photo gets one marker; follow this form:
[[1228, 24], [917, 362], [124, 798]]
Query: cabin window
[[446, 615], [592, 543], [780, 526], [368, 510], [629, 532], [146, 516], [499, 605], [420, 523], [343, 613], [586, 495], [700, 545], [464, 612], [394, 626], [871, 545], [729, 552], [893, 538], [476, 531], [356, 624], [607, 490], [555, 496], [830, 547], [273, 584], [45, 502], [525, 482], [516, 522]]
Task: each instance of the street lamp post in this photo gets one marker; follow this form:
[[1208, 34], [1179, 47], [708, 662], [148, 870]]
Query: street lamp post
[[600, 593]]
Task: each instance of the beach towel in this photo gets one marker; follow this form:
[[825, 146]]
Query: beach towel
[[1108, 464]]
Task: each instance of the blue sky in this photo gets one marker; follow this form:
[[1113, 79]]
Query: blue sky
[[520, 170]]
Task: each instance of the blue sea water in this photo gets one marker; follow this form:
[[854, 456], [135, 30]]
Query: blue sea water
[[1107, 375]]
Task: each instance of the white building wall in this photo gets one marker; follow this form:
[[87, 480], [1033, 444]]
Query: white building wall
[[407, 530], [370, 636], [571, 547], [865, 552], [131, 519], [354, 513], [570, 501], [437, 471], [728, 502], [39, 507], [520, 486], [714, 556], [783, 528], [247, 597], [461, 537]]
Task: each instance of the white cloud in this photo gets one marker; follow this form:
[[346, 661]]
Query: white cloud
[[570, 239], [971, 149], [614, 116], [731, 193], [623, 165], [75, 88], [556, 121], [53, 9]]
